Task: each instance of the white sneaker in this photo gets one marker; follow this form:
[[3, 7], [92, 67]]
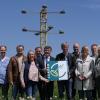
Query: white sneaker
[[29, 98], [51, 98], [20, 98], [55, 96], [85, 99], [33, 98]]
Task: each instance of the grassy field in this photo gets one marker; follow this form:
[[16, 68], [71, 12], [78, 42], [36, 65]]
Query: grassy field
[[56, 97]]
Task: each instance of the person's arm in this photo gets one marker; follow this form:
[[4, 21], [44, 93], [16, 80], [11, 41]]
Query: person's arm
[[40, 66], [90, 70], [77, 73], [10, 76], [43, 79], [72, 60]]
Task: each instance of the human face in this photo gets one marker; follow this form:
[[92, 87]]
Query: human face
[[2, 51], [38, 51], [76, 48], [65, 49], [31, 56], [20, 50], [47, 52], [85, 52], [94, 50]]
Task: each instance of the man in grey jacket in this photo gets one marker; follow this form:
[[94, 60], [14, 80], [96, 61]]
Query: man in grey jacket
[[94, 56], [97, 72]]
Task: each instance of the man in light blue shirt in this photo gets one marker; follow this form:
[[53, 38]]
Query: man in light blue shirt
[[3, 72]]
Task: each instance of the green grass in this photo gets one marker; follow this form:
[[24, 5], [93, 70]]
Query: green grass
[[56, 97]]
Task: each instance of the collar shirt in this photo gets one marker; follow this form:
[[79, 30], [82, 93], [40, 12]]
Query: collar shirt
[[65, 55], [66, 59], [20, 62], [3, 67], [46, 59], [69, 74]]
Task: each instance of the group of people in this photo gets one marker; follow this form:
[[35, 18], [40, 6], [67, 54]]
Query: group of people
[[28, 74]]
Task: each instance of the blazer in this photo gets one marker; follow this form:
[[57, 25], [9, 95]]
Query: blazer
[[41, 66], [13, 69]]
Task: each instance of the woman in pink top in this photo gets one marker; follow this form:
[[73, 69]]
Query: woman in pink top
[[30, 76]]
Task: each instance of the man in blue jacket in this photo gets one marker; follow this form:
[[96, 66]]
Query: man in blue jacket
[[3, 72]]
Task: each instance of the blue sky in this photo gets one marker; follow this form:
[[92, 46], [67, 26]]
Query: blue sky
[[81, 23]]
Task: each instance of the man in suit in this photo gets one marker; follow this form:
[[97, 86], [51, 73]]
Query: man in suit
[[40, 64], [65, 84], [45, 89]]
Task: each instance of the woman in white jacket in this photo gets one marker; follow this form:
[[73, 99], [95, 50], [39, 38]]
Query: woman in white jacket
[[83, 72]]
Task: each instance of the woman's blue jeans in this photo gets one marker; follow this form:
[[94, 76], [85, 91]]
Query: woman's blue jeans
[[31, 89]]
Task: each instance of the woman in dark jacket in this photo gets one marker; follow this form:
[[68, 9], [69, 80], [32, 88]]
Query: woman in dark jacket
[[30, 76]]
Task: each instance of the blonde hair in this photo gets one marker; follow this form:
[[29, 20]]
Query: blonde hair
[[30, 52], [85, 48]]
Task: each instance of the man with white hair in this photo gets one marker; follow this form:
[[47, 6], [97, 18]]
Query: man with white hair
[[94, 51], [75, 56], [94, 56]]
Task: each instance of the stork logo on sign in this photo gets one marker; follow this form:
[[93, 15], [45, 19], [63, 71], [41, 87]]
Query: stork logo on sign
[[55, 70]]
